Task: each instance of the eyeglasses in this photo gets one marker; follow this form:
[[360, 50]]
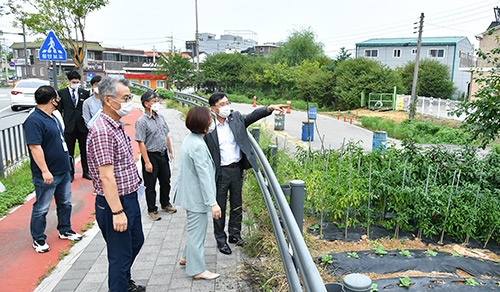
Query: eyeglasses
[[127, 98], [223, 104]]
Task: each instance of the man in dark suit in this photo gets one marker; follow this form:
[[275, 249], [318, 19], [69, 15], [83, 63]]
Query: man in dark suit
[[232, 153], [72, 98]]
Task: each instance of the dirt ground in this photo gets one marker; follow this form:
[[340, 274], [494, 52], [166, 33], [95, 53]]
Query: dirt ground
[[397, 116]]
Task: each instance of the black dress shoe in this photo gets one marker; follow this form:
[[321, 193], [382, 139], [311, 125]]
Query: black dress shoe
[[237, 240], [224, 249], [133, 287], [87, 176]]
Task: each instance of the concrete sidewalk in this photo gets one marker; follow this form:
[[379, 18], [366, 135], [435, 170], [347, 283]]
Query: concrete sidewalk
[[156, 266]]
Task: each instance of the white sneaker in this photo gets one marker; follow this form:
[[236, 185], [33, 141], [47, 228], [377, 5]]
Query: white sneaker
[[40, 246], [71, 235]]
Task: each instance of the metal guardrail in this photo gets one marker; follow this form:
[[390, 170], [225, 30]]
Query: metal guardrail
[[298, 258], [140, 87], [190, 99], [13, 148]]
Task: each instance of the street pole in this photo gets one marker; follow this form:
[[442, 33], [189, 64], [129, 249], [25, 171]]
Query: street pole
[[26, 73], [54, 74], [413, 104], [197, 50]]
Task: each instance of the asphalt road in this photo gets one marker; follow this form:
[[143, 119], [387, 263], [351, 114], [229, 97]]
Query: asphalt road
[[8, 117]]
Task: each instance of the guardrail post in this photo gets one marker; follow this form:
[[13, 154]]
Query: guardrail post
[[273, 156], [297, 201], [255, 133], [2, 139]]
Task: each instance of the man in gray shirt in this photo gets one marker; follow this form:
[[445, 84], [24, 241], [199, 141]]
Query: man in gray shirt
[[92, 106], [151, 133]]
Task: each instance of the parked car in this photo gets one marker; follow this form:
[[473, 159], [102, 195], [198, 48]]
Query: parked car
[[23, 94]]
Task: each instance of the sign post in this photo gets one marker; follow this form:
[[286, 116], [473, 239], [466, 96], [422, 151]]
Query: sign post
[[52, 50]]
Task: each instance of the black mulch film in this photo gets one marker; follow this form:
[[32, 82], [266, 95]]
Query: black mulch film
[[485, 273], [332, 232]]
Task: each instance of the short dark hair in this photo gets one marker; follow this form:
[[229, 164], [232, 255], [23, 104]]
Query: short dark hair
[[44, 94], [95, 79], [198, 119], [215, 97], [74, 75], [148, 95]]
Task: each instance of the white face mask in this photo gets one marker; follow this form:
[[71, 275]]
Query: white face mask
[[96, 90], [125, 108], [156, 107], [224, 111], [211, 128], [74, 85]]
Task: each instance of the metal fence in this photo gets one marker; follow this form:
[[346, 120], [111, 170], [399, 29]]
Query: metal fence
[[13, 148], [440, 108]]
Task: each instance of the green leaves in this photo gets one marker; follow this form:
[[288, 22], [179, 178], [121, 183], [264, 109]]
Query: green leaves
[[326, 259], [483, 111], [433, 79], [405, 282]]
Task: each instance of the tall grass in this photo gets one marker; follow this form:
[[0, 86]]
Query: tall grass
[[18, 185], [422, 132]]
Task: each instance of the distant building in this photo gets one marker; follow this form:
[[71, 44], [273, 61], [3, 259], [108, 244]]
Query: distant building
[[455, 52], [230, 42], [265, 49], [99, 60], [488, 40]]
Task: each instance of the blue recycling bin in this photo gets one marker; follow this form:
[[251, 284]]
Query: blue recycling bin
[[308, 130], [379, 141], [312, 112]]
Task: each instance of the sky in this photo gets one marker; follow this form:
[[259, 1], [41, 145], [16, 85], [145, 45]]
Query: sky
[[159, 24]]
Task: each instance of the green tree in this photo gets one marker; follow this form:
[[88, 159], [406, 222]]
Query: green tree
[[299, 46], [221, 72], [66, 18], [277, 80], [482, 114], [314, 84], [433, 79], [342, 56], [178, 69], [360, 74]]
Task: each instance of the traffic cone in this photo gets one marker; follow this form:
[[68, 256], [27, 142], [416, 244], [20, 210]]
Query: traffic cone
[[288, 103], [254, 101]]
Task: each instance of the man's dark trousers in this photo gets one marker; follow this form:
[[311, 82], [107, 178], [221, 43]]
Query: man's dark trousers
[[122, 247], [71, 139], [230, 179], [161, 171]]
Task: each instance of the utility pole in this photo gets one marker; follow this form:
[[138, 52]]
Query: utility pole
[[197, 50], [154, 54], [171, 38], [414, 97]]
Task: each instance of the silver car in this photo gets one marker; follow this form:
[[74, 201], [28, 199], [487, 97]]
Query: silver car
[[23, 94]]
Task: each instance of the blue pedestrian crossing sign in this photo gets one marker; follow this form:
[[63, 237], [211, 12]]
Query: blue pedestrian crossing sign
[[51, 49]]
